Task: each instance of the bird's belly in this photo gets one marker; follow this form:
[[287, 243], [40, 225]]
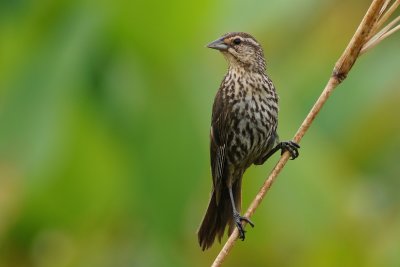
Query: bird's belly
[[250, 136]]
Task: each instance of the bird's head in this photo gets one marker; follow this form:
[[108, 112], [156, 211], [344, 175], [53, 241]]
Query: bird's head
[[241, 50]]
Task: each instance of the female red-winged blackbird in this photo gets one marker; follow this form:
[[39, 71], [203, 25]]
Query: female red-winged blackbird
[[243, 132]]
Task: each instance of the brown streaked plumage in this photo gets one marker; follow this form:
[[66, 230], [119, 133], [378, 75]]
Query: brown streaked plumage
[[243, 132]]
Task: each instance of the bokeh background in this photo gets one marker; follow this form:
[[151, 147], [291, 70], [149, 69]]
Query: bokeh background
[[104, 120]]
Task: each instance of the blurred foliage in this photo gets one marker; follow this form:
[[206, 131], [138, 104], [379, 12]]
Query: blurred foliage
[[104, 119]]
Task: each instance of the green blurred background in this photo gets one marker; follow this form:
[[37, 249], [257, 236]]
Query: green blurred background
[[104, 121]]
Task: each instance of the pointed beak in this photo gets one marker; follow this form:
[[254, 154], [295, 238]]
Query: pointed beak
[[218, 44]]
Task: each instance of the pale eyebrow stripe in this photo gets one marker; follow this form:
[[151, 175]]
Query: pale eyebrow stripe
[[250, 40], [245, 39]]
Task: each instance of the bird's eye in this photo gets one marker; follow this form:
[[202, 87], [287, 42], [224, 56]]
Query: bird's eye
[[237, 41]]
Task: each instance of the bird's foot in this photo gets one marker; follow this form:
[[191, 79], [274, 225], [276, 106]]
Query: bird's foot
[[238, 221], [291, 147]]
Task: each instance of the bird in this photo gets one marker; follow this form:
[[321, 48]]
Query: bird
[[243, 132]]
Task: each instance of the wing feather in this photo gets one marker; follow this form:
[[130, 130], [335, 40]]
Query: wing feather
[[218, 144]]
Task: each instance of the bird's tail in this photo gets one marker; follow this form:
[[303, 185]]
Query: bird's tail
[[218, 215]]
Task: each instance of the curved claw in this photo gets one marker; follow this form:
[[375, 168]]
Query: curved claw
[[238, 222], [247, 220], [292, 148], [241, 230]]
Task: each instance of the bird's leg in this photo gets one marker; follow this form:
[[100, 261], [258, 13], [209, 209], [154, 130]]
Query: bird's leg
[[290, 146], [238, 218]]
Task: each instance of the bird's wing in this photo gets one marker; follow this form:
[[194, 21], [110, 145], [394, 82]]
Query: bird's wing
[[218, 144]]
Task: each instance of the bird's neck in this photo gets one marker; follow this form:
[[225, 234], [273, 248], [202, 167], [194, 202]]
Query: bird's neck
[[243, 69], [240, 82], [238, 73]]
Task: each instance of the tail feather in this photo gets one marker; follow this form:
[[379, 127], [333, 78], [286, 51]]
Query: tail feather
[[217, 217]]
